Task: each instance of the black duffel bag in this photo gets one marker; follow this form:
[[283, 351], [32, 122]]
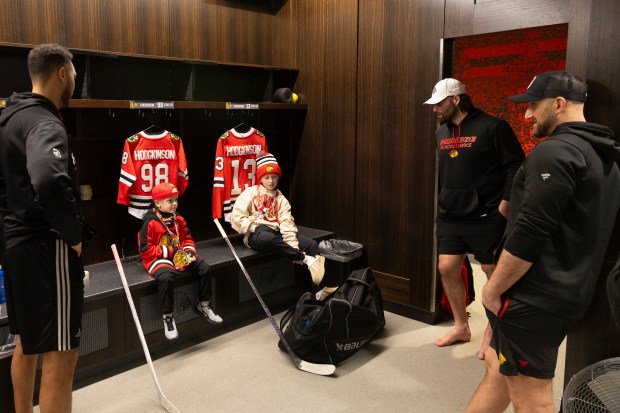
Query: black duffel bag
[[330, 331]]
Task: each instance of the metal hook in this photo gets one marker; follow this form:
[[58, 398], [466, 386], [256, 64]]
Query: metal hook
[[111, 112]]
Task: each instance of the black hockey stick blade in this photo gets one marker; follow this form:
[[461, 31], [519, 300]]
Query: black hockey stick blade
[[320, 369]]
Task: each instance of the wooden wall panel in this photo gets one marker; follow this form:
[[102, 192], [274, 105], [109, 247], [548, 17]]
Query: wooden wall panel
[[212, 30], [398, 65], [459, 20], [32, 21], [501, 15], [578, 36], [325, 34], [464, 18], [122, 26]]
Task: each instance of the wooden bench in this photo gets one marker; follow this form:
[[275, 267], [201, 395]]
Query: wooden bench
[[109, 337]]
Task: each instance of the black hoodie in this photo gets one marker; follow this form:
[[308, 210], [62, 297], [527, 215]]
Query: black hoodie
[[564, 202], [40, 192], [477, 162]]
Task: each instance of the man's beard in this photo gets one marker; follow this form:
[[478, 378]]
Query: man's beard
[[66, 97], [447, 115], [544, 126]]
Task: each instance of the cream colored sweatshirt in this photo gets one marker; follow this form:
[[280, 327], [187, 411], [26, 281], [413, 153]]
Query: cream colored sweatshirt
[[260, 206]]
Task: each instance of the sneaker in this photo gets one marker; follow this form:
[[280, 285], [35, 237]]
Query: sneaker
[[209, 314], [317, 269], [170, 327], [325, 292]]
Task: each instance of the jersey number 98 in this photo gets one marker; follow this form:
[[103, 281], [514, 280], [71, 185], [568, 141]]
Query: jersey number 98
[[153, 175]]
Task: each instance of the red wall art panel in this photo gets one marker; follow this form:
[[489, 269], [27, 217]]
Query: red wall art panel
[[495, 66]]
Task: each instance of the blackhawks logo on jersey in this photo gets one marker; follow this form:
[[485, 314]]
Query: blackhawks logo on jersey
[[175, 137], [259, 133], [168, 240], [132, 138], [224, 135]]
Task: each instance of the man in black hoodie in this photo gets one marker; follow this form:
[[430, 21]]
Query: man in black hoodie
[[478, 156], [565, 199], [43, 269]]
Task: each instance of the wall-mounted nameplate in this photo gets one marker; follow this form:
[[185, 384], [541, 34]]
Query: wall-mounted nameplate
[[150, 104], [230, 105]]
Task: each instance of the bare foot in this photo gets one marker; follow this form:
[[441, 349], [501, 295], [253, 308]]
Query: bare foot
[[486, 340], [454, 336]]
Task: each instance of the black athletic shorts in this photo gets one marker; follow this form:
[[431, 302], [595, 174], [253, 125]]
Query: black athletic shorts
[[527, 339], [45, 294], [480, 238]]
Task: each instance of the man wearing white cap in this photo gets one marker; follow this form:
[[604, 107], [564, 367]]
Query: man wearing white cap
[[479, 155]]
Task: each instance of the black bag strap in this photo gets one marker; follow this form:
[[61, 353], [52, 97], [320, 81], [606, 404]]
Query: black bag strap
[[358, 281]]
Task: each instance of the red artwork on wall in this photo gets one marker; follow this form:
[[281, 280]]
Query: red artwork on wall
[[497, 65]]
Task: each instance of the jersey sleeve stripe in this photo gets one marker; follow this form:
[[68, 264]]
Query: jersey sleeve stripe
[[129, 177], [160, 263]]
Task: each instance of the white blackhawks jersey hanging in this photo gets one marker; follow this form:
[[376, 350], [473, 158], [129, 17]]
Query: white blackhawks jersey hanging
[[149, 160], [235, 168]]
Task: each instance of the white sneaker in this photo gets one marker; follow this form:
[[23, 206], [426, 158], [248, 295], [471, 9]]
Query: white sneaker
[[170, 327], [317, 269], [209, 314]]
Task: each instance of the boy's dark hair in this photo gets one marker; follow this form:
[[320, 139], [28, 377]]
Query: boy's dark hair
[[44, 59], [465, 104]]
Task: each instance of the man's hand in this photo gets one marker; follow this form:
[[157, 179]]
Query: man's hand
[[504, 207], [490, 300], [508, 271], [77, 248]]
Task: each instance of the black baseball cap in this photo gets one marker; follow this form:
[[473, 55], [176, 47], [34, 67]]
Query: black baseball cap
[[552, 85]]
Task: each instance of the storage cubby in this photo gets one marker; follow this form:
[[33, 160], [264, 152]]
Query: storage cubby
[[99, 119]]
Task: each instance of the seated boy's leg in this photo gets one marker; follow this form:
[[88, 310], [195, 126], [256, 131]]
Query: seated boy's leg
[[165, 291], [316, 266], [267, 240], [202, 269], [204, 306], [308, 245]]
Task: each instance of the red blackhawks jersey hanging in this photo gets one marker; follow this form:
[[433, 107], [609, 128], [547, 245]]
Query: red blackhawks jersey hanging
[[235, 168], [147, 161]]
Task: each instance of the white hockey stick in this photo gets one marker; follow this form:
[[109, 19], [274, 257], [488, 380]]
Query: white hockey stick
[[320, 369], [166, 404]]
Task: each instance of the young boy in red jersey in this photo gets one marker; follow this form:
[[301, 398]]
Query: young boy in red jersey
[[263, 215], [167, 249]]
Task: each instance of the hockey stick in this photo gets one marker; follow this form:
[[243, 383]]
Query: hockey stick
[[166, 404], [320, 369]]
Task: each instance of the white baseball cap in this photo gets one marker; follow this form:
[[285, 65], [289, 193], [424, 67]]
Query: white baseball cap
[[444, 88]]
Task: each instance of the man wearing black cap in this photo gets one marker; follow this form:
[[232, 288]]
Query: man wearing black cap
[[564, 198]]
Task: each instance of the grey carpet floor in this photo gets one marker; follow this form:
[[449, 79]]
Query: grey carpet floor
[[244, 371]]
